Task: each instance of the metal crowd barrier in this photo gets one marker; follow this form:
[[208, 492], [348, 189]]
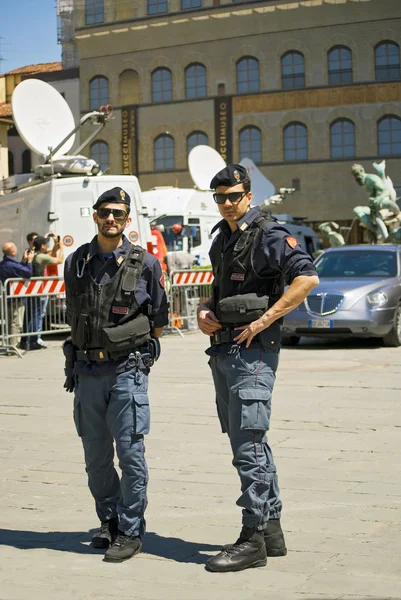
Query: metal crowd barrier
[[29, 308], [186, 290], [2, 318]]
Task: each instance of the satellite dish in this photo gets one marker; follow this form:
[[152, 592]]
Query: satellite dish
[[261, 187], [42, 116], [204, 162]]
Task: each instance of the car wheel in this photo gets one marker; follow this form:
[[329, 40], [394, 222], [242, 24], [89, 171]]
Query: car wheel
[[393, 338], [290, 340]]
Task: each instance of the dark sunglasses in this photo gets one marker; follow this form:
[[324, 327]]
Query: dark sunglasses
[[118, 213], [234, 197]]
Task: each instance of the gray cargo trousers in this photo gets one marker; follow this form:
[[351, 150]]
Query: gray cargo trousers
[[244, 383], [111, 404]]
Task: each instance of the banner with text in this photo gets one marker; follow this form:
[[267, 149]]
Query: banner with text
[[129, 141], [224, 126]]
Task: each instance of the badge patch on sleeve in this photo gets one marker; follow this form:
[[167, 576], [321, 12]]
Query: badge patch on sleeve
[[291, 241], [162, 281]]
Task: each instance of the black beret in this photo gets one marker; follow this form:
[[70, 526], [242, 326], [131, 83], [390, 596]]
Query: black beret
[[230, 175], [116, 196]]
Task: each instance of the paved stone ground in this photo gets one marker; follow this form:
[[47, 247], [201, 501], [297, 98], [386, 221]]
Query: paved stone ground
[[336, 435]]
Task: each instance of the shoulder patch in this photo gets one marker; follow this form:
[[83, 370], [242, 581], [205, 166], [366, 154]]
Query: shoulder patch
[[162, 281], [291, 241]]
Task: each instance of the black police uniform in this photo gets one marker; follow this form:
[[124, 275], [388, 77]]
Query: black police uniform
[[251, 266], [113, 303]]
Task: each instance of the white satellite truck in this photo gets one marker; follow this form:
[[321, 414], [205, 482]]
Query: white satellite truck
[[193, 210], [196, 213], [59, 195]]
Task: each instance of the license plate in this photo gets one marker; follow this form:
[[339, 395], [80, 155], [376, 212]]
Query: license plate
[[320, 324]]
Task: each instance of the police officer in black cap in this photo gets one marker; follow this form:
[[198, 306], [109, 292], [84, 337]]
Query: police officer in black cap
[[117, 308], [252, 257]]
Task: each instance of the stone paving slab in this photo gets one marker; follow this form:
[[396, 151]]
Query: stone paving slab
[[336, 438]]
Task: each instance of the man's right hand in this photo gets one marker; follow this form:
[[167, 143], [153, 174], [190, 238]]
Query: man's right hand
[[28, 256], [207, 321]]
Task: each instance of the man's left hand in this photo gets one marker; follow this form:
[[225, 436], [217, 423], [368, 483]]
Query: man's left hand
[[69, 383], [252, 329]]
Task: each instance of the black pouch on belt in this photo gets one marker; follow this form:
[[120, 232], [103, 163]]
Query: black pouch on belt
[[128, 336], [242, 308]]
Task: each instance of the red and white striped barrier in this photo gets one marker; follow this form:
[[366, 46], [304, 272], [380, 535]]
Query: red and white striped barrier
[[192, 277], [30, 287]]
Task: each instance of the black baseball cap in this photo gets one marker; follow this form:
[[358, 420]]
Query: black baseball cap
[[39, 241]]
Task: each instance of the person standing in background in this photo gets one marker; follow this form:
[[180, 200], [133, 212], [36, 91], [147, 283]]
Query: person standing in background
[[33, 315], [10, 268]]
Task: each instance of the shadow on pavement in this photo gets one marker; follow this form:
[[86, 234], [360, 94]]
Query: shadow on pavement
[[79, 542]]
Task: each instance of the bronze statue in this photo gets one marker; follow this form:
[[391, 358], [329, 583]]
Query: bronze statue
[[382, 216], [330, 233]]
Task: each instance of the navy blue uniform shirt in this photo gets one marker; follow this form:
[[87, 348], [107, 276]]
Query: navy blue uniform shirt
[[274, 254], [149, 289], [11, 268]]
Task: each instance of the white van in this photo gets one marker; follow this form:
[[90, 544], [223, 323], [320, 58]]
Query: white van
[[193, 209], [63, 206]]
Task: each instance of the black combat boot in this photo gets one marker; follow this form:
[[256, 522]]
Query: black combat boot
[[274, 539], [106, 535], [124, 547], [248, 551]]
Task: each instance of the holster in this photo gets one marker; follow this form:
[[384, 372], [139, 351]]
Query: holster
[[70, 357]]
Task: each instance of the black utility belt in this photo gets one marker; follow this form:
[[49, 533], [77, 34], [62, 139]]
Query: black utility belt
[[101, 355], [227, 335], [149, 353]]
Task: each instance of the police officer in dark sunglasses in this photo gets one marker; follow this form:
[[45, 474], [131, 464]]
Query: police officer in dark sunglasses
[[253, 256], [117, 308]]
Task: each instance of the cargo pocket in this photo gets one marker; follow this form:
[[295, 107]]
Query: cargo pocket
[[141, 412], [256, 408], [77, 415]]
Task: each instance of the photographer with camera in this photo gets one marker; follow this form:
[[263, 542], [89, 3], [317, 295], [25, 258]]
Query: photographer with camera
[[36, 306]]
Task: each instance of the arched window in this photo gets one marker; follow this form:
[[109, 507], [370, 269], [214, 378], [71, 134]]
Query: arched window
[[185, 4], [196, 138], [248, 75], [129, 87], [339, 61], [389, 136], [295, 142], [157, 6], [342, 139], [250, 143], [195, 81], [11, 169], [164, 152], [98, 92], [26, 161], [293, 70], [100, 153], [387, 61], [162, 85], [94, 12]]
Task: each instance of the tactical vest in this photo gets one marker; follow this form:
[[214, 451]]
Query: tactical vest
[[108, 316], [233, 270]]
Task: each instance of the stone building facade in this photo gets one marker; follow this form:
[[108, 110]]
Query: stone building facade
[[304, 88]]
